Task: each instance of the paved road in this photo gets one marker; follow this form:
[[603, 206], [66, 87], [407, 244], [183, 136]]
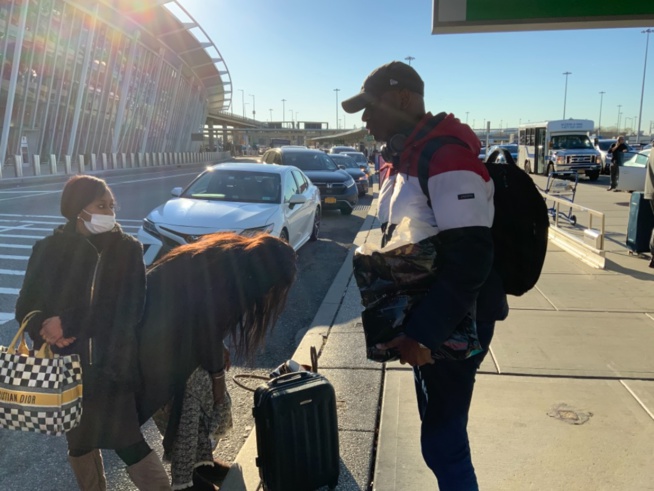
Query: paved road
[[31, 211]]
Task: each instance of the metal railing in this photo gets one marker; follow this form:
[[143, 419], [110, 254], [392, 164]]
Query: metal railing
[[583, 241]]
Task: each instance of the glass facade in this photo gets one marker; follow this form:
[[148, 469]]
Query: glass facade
[[74, 84]]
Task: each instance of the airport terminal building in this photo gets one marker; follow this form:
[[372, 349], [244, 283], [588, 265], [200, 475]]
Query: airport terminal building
[[112, 77]]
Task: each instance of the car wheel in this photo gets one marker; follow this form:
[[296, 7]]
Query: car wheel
[[284, 235], [593, 176], [527, 167], [316, 226], [347, 210]]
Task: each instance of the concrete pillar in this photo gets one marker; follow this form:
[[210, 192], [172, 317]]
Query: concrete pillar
[[82, 169], [123, 161], [104, 161], [37, 165], [132, 162], [19, 165], [67, 166], [114, 160], [53, 164], [147, 159], [94, 162]]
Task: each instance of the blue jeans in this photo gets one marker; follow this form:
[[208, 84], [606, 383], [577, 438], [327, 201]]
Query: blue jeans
[[444, 392]]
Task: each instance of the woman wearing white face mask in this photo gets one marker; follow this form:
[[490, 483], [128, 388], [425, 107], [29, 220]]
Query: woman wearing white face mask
[[87, 280]]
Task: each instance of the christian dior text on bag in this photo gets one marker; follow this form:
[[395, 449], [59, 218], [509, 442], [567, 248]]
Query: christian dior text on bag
[[40, 393]]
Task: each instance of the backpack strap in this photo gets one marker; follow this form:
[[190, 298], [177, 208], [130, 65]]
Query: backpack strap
[[428, 151]]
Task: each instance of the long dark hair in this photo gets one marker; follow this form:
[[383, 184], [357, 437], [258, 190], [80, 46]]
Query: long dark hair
[[248, 279]]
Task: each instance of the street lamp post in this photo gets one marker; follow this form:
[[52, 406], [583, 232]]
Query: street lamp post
[[296, 113], [254, 113], [642, 90], [565, 93], [270, 114], [599, 124], [337, 91], [619, 114], [410, 59], [283, 112], [243, 100]]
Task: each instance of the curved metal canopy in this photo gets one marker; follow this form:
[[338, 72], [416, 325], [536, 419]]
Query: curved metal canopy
[[160, 25]]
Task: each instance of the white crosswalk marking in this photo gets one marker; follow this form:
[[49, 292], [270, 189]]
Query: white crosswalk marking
[[9, 291], [15, 246], [12, 272]]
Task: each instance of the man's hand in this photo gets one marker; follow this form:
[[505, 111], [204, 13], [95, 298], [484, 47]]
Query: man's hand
[[411, 351]]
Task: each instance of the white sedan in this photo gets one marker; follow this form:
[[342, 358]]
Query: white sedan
[[632, 172], [235, 197]]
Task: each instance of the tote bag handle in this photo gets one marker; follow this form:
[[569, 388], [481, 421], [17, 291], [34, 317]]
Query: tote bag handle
[[11, 349]]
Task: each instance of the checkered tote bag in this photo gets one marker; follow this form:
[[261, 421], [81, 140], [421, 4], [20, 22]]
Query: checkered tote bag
[[41, 393]]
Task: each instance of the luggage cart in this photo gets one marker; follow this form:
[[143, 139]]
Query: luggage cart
[[562, 184]]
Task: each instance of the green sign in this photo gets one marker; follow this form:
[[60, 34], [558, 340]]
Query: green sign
[[467, 16]]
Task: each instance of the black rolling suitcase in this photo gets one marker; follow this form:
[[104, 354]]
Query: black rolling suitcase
[[641, 222], [297, 432]]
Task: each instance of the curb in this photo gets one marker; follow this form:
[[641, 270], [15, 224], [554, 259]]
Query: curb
[[244, 474]]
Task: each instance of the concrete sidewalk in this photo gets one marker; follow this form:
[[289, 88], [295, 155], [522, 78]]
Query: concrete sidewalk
[[565, 399]]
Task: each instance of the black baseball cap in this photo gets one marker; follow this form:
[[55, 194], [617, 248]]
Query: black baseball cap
[[393, 75]]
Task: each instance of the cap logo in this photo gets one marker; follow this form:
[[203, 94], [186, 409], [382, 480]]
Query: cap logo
[[393, 82]]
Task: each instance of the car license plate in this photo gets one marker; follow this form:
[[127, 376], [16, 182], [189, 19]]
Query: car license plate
[[330, 200]]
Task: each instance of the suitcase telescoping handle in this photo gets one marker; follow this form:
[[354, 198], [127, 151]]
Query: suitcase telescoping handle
[[290, 377]]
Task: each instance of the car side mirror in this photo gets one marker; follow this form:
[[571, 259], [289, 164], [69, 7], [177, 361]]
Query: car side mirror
[[176, 192], [297, 199]]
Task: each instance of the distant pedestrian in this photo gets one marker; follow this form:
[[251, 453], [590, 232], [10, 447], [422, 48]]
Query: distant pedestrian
[[460, 206], [617, 151], [649, 195]]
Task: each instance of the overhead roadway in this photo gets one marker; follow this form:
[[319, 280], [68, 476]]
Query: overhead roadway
[[355, 135]]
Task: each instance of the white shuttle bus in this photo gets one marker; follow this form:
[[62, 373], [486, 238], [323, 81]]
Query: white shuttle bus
[[562, 145]]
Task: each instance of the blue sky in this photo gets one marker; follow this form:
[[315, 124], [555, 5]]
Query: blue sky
[[302, 50]]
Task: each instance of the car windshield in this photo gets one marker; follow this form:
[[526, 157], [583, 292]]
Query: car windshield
[[236, 186], [510, 148], [307, 161], [605, 144], [571, 141], [345, 161], [357, 156]]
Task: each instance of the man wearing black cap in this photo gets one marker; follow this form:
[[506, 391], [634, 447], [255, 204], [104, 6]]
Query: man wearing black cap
[[460, 205]]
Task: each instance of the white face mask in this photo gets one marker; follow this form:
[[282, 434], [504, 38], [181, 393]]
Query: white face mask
[[99, 223]]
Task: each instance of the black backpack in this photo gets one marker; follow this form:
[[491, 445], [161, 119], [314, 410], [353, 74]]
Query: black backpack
[[521, 220]]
